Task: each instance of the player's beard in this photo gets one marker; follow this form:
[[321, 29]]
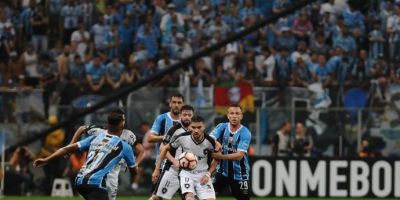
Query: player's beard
[[175, 111], [186, 123]]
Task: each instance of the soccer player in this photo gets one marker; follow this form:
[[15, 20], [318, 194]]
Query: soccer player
[[168, 183], [197, 181], [127, 136], [164, 122], [105, 152], [233, 169]]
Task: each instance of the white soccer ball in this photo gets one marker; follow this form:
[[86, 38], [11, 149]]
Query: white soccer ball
[[187, 161]]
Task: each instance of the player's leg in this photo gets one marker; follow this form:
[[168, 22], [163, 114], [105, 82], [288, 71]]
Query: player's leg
[[187, 187], [156, 186], [112, 188], [206, 191], [91, 193], [219, 183], [240, 189], [97, 195], [82, 191], [169, 185]]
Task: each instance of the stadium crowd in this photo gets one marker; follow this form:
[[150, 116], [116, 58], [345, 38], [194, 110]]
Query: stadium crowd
[[71, 48]]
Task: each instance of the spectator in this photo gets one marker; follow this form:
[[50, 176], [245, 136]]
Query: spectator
[[29, 60], [172, 18], [70, 13], [48, 80], [148, 36], [302, 143], [126, 32], [19, 177], [63, 63], [5, 49], [345, 41], [165, 60], [95, 75], [55, 7], [269, 78], [131, 74], [39, 21], [283, 67], [97, 31], [318, 45], [112, 41], [135, 11], [302, 27], [301, 52], [281, 145], [249, 10], [75, 82], [87, 8], [181, 49], [201, 75], [217, 25], [301, 75], [377, 40], [366, 151], [80, 40], [114, 74], [322, 73]]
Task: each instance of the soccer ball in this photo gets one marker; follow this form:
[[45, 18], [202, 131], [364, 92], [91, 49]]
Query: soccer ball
[[187, 160]]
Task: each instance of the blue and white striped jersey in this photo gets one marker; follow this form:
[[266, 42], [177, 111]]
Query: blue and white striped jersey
[[105, 152], [161, 126], [231, 143]]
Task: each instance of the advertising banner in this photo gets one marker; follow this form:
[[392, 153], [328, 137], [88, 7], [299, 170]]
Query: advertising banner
[[289, 177]]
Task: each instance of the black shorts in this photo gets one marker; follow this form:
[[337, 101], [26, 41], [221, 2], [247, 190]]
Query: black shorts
[[92, 193], [239, 189]]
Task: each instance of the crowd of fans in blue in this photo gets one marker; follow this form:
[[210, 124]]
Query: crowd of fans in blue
[[84, 47]]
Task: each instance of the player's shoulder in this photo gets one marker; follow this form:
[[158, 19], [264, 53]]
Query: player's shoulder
[[128, 136], [222, 125], [126, 146], [209, 139], [245, 131], [182, 135]]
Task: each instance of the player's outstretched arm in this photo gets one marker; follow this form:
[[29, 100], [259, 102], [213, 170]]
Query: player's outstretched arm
[[153, 138], [59, 153], [139, 149], [156, 172], [78, 134]]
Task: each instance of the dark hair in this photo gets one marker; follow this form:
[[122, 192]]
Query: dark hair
[[284, 124], [197, 118], [177, 95], [115, 117], [187, 107], [235, 105]]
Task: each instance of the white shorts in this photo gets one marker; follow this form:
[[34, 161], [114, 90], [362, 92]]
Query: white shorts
[[169, 184], [190, 182], [112, 188]]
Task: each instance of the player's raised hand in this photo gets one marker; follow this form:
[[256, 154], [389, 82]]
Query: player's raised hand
[[155, 176], [40, 162]]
